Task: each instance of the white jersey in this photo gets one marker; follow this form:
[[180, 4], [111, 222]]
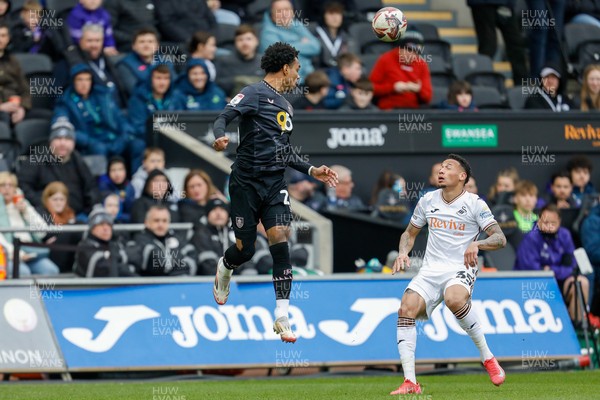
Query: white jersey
[[452, 226]]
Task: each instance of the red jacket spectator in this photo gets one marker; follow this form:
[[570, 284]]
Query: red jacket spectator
[[400, 77]]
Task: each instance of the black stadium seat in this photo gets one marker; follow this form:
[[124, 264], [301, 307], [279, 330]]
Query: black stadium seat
[[576, 34], [31, 132], [588, 53], [226, 36], [369, 61], [489, 79], [465, 64], [440, 93], [429, 31], [34, 63], [366, 41], [440, 48], [516, 98], [485, 97], [60, 5]]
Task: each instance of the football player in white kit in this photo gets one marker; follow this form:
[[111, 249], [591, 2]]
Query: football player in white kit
[[455, 218]]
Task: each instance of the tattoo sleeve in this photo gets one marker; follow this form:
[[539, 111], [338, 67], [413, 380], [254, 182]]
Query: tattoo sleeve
[[495, 240], [407, 240]]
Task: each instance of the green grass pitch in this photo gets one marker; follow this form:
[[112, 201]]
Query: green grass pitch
[[541, 385]]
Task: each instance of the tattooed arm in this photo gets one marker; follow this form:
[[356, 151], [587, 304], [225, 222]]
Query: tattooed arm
[[407, 241], [496, 239]]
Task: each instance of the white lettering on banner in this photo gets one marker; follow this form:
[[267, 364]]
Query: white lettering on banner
[[119, 319], [374, 311], [353, 137]]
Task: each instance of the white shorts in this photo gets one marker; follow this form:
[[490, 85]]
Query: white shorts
[[431, 284]]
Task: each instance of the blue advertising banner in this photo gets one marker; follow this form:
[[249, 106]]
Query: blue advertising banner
[[337, 322]]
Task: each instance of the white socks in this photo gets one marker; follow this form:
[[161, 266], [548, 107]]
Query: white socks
[[224, 271], [406, 336], [468, 321], [281, 308]]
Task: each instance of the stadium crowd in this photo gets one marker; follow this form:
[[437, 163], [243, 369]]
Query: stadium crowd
[[96, 71]]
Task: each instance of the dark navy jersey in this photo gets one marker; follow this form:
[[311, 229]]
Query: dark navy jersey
[[265, 127]]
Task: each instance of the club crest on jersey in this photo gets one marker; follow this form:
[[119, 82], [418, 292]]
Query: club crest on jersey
[[239, 222], [235, 101], [462, 211]]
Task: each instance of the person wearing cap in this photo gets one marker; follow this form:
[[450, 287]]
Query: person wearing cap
[[213, 238], [115, 182], [400, 77], [157, 251], [101, 128], [98, 255], [547, 95], [59, 161]]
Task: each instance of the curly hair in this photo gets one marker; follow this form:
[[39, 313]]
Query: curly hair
[[277, 55]]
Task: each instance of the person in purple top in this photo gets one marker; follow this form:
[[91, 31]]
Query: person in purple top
[[92, 12], [549, 247]]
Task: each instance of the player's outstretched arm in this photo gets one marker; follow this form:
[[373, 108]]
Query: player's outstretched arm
[[407, 241], [325, 175]]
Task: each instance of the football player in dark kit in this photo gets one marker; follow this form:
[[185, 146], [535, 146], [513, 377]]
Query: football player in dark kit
[[257, 187]]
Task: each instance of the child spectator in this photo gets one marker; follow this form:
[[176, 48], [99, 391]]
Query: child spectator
[[401, 77], [332, 35], [460, 97], [204, 46], [156, 94], [4, 10], [549, 247], [136, 65], [198, 91], [503, 190], [317, 86], [590, 88], [361, 96], [157, 191], [115, 182], [580, 169], [525, 200], [561, 191], [92, 12], [101, 128], [26, 34], [154, 158], [347, 72]]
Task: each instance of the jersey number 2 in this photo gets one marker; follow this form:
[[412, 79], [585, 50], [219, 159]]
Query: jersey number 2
[[286, 197]]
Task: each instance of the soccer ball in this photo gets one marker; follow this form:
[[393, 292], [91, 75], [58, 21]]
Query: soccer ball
[[389, 24]]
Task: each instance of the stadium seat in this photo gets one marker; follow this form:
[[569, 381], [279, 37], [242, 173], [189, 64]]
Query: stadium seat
[[366, 41], [438, 64], [368, 8], [257, 8], [502, 260], [442, 79], [485, 97], [440, 48], [60, 5], [34, 63], [31, 132], [96, 163], [8, 147], [429, 31], [465, 64], [440, 93], [489, 79], [576, 34], [369, 61], [226, 36], [516, 98], [588, 53]]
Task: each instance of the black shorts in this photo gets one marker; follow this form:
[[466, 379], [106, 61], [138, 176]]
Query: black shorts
[[265, 199]]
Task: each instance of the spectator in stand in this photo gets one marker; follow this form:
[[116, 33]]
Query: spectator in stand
[[401, 77], [89, 52], [242, 67], [135, 66], [64, 164], [156, 94], [491, 14], [341, 197], [304, 189], [223, 16], [157, 192], [178, 20], [347, 72], [316, 9], [15, 98], [361, 97], [317, 86], [591, 244], [549, 247], [157, 251], [279, 25], [199, 93], [548, 95], [198, 191], [26, 33], [471, 186], [503, 190], [580, 169], [332, 35], [56, 210], [544, 40], [154, 158], [101, 128], [433, 177], [115, 182], [99, 255], [211, 239], [590, 88], [4, 11], [460, 97], [16, 212], [526, 198], [203, 46], [390, 200], [91, 12], [561, 191], [112, 205], [128, 17], [583, 12]]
